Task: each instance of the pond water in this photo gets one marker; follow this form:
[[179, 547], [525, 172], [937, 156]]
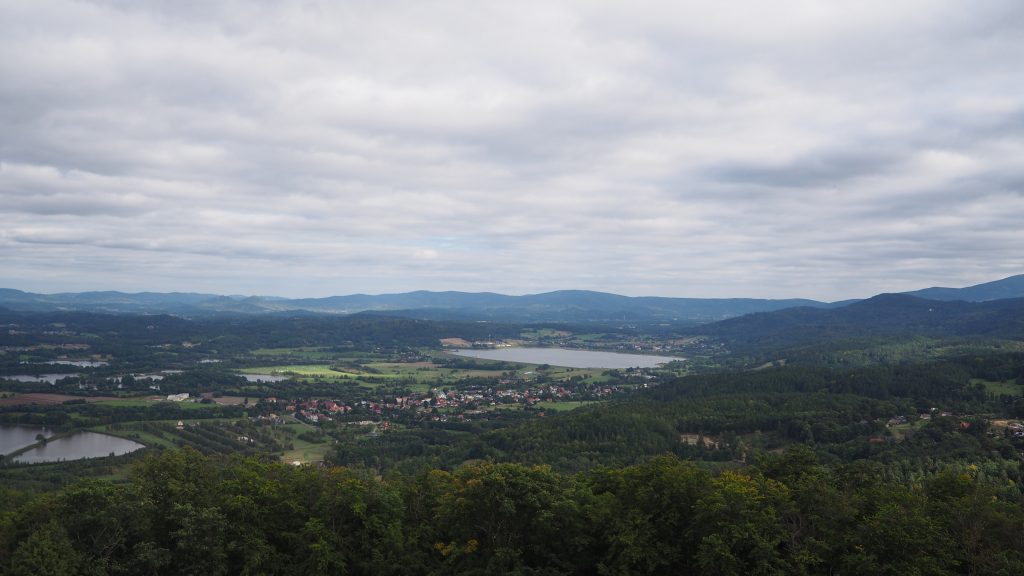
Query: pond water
[[263, 377], [48, 378], [78, 445], [14, 436], [153, 377], [79, 363], [568, 358]]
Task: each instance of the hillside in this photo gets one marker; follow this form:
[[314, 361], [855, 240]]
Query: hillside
[[559, 306], [1012, 287], [883, 316]]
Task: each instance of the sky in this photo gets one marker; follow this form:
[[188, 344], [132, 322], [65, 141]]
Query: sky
[[825, 150]]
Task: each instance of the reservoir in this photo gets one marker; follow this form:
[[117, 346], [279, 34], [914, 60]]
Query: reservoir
[[79, 363], [14, 436], [48, 378], [78, 445], [568, 358]]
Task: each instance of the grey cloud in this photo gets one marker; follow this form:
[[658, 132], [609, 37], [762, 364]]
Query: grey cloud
[[824, 168], [681, 148]]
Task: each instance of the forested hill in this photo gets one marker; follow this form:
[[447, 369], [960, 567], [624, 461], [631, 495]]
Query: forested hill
[[558, 306], [836, 409], [884, 316], [795, 472], [1012, 287], [237, 333]]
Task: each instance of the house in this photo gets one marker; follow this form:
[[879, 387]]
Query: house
[[177, 397]]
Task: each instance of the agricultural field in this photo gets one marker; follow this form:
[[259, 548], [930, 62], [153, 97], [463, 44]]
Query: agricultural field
[[370, 373], [226, 436], [306, 352], [303, 371], [144, 402], [304, 451], [317, 354], [539, 333]]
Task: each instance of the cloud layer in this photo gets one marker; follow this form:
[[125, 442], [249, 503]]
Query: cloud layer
[[788, 149]]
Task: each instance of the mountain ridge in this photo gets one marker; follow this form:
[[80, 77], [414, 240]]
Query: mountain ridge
[[554, 306], [1009, 287], [884, 315], [557, 305]]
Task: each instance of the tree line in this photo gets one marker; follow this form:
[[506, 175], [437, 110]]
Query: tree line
[[184, 513]]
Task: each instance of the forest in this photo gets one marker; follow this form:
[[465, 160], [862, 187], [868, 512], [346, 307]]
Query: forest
[[183, 513], [887, 452]]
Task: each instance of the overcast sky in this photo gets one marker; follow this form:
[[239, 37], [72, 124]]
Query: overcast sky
[[767, 149]]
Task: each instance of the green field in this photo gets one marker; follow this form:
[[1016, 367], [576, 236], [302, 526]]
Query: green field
[[565, 406], [302, 451], [317, 354], [1007, 387], [589, 337], [310, 352], [899, 431], [420, 372], [305, 452], [302, 371], [141, 436]]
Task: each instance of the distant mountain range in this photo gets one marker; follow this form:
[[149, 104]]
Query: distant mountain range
[[559, 306]]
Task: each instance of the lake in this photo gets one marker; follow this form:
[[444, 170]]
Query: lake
[[48, 378], [78, 445], [79, 363], [14, 436], [568, 358]]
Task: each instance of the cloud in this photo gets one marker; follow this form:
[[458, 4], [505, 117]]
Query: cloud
[[663, 148]]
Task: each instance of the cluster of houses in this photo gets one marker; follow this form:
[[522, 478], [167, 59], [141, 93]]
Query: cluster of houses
[[446, 403], [897, 420], [1013, 428]]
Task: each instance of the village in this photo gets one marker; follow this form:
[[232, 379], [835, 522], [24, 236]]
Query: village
[[476, 402]]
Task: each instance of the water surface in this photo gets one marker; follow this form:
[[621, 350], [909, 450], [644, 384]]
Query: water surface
[[15, 436], [48, 378], [569, 358], [79, 445]]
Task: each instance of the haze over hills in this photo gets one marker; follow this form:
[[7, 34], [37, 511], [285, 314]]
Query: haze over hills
[[557, 306]]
